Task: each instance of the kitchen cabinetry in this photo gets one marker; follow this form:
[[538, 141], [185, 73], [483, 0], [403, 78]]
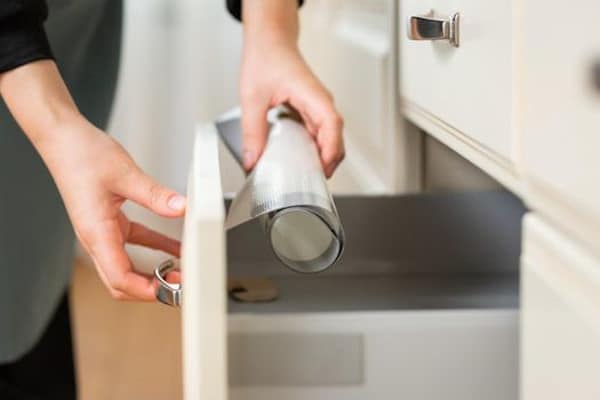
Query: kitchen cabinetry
[[433, 299], [560, 324], [438, 314], [520, 100], [351, 46], [462, 93], [560, 109]]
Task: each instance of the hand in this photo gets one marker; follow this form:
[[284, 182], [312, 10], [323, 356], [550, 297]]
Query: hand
[[95, 176], [273, 72]]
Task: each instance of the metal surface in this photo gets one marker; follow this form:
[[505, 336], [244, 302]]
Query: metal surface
[[427, 27], [166, 292], [333, 243], [287, 192]]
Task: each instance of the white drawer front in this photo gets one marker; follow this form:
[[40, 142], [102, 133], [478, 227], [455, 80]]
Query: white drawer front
[[421, 355], [561, 113], [560, 317], [203, 264], [468, 88]]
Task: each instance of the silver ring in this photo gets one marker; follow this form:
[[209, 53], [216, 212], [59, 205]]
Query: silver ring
[[166, 292]]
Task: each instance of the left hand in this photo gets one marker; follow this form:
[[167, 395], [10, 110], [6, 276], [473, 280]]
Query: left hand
[[274, 72]]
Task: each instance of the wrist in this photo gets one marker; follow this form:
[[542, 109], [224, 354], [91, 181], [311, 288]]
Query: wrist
[[56, 126], [39, 100], [271, 23], [60, 144]]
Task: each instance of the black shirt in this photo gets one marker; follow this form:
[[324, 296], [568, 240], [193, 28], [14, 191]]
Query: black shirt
[[235, 8], [22, 35]]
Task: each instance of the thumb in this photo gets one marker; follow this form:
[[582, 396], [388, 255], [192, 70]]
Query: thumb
[[148, 193], [254, 132]]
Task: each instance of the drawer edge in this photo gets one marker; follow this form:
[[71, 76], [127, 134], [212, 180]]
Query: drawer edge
[[562, 213], [355, 321], [498, 167]]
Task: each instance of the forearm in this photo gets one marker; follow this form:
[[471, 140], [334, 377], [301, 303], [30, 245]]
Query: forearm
[[270, 22], [39, 101]]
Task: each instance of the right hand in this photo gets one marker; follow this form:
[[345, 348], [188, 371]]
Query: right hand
[[95, 176]]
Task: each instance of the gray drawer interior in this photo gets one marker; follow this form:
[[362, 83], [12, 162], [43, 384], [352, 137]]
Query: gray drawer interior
[[423, 251]]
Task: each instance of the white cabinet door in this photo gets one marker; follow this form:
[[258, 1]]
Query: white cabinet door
[[560, 337], [350, 45], [561, 112], [203, 265], [464, 96]]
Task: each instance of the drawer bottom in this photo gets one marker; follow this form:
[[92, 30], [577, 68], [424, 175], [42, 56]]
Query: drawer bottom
[[333, 293]]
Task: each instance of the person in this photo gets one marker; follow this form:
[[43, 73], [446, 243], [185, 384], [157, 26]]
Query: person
[[58, 69]]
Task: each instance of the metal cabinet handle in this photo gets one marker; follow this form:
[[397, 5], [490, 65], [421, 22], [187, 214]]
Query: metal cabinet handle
[[167, 293], [426, 27]]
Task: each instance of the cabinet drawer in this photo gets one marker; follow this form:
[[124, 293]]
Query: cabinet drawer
[[462, 95], [425, 292], [560, 317], [561, 115], [425, 287]]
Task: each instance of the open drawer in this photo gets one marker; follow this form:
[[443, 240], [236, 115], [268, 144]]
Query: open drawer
[[423, 304]]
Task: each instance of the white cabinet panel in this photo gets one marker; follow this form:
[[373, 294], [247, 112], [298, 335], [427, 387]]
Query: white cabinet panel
[[469, 87], [418, 355], [561, 113], [350, 45], [560, 317], [203, 266], [464, 95]]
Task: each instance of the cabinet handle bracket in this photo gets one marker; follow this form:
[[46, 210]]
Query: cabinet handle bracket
[[427, 27], [166, 292]]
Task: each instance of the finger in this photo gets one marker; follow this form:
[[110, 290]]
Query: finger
[[308, 122], [254, 130], [145, 191], [143, 236], [330, 167], [115, 294], [331, 142], [316, 106], [113, 263], [120, 296], [174, 277], [329, 170]]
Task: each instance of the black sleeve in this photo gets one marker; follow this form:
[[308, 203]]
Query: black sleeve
[[22, 35], [235, 8]]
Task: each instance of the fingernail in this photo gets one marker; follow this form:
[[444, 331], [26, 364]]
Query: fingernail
[[248, 159], [176, 202]]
